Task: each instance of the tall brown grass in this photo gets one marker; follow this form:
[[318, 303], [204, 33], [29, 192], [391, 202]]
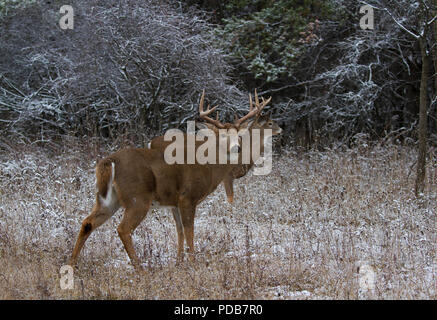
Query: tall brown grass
[[302, 232]]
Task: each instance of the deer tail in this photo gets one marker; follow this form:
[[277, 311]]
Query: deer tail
[[105, 173]]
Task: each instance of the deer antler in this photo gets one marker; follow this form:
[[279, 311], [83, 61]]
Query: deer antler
[[204, 114], [263, 104], [252, 111]]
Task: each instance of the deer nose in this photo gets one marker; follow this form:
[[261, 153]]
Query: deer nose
[[236, 149]]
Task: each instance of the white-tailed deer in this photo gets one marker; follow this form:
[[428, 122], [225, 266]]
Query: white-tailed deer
[[137, 178], [261, 122]]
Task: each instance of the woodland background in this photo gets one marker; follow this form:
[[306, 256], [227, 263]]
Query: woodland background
[[139, 67]]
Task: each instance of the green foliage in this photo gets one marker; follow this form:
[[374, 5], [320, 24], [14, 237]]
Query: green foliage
[[268, 37]]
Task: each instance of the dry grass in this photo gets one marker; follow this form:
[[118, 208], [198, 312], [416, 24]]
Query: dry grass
[[300, 233]]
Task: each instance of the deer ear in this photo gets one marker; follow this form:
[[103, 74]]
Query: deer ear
[[261, 120]]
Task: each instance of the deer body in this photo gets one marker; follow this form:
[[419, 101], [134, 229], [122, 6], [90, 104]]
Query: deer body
[[136, 179]]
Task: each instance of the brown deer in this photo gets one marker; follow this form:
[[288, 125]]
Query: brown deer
[[137, 178], [260, 122]]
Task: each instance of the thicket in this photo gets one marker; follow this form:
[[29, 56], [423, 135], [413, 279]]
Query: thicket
[[137, 66], [140, 66]]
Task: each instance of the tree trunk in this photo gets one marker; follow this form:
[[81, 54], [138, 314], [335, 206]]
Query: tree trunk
[[434, 53], [421, 162]]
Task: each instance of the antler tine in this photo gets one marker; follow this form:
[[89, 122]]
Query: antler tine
[[208, 111], [259, 105], [264, 103], [256, 99], [204, 114], [253, 111], [202, 99]]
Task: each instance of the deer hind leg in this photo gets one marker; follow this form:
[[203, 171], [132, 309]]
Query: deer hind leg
[[131, 220], [105, 206], [98, 216], [180, 230], [187, 211]]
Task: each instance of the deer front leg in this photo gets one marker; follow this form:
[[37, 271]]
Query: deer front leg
[[229, 188], [187, 209], [180, 230]]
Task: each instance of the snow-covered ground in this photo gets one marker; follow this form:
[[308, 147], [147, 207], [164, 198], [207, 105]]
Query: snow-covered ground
[[333, 225]]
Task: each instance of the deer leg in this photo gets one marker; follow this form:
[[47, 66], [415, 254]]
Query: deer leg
[[180, 230], [98, 216], [187, 211], [131, 219], [228, 184]]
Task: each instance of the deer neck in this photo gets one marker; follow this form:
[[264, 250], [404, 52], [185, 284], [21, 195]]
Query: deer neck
[[257, 144]]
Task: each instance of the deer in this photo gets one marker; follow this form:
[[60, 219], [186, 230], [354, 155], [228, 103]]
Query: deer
[[246, 124], [140, 178]]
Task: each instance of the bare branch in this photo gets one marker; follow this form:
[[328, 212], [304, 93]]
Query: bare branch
[[411, 33]]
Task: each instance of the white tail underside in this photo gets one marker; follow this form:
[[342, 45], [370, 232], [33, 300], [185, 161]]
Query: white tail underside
[[110, 201]]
